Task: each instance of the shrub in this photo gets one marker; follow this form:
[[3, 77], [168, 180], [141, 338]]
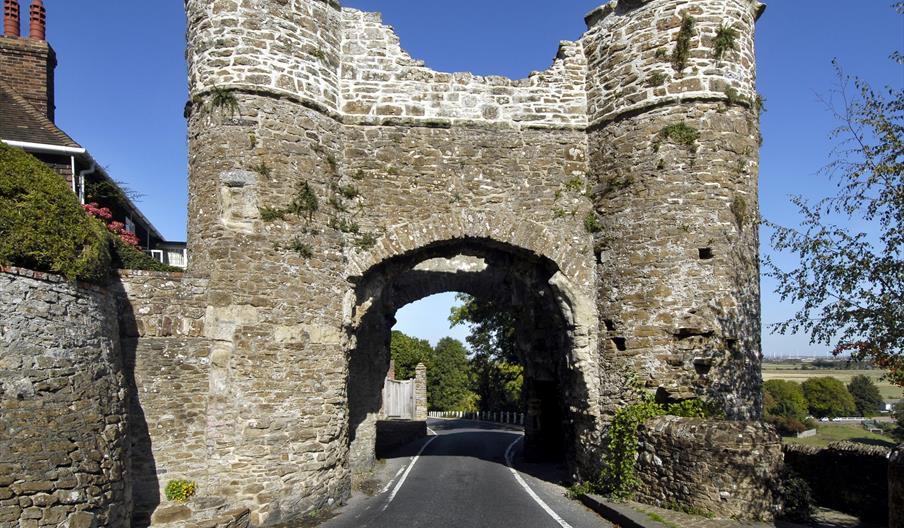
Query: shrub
[[797, 497], [786, 426], [42, 225], [180, 490], [126, 256]]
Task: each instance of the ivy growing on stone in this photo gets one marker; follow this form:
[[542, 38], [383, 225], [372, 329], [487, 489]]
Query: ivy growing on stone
[[739, 210], [726, 40], [618, 478], [682, 52]]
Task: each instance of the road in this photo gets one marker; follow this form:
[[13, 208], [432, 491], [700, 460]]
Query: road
[[463, 479]]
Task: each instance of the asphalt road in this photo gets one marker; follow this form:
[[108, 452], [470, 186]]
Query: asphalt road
[[462, 479]]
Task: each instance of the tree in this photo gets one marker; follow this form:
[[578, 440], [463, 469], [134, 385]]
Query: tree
[[849, 281], [407, 352], [828, 398], [867, 397], [785, 399], [448, 383], [785, 406], [496, 372], [492, 327]]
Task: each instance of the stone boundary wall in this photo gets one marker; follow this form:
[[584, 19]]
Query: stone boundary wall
[[896, 487], [63, 450], [725, 468], [169, 371], [392, 434], [848, 477]]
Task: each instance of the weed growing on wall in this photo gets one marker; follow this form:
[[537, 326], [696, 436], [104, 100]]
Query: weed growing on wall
[[682, 52], [224, 100], [681, 134], [180, 490], [592, 223], [657, 78], [725, 41]]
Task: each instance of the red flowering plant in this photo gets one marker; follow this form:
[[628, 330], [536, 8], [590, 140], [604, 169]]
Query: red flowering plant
[[117, 228]]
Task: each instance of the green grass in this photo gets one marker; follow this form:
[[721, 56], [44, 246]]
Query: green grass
[[793, 372], [828, 433]]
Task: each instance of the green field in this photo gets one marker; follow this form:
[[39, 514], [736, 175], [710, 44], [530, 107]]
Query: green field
[[795, 372], [828, 433]]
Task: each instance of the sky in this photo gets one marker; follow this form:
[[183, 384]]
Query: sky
[[121, 88]]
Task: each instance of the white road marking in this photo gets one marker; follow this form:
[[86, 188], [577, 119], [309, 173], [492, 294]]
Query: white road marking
[[431, 432], [389, 484], [407, 471], [537, 499]]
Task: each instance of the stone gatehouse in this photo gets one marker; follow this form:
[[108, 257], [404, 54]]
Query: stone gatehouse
[[610, 200]]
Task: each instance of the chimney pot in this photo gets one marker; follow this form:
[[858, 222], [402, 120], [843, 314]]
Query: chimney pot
[[11, 19], [38, 26]]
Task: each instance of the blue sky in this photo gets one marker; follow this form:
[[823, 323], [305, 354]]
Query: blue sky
[[121, 88]]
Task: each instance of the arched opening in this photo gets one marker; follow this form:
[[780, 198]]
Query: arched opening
[[556, 399]]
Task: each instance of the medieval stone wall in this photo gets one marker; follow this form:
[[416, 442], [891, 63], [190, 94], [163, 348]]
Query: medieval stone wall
[[327, 165], [728, 469], [848, 477], [380, 82], [62, 405]]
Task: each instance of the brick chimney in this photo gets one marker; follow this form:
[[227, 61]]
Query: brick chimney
[[11, 21], [38, 21], [27, 65]]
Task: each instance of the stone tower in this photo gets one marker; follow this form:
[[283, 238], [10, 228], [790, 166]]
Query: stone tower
[[610, 200]]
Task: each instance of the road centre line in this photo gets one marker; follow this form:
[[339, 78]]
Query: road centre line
[[389, 484], [407, 471], [537, 499]]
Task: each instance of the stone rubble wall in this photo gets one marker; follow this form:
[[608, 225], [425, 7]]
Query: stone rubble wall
[[678, 272], [896, 487], [381, 82], [630, 43], [63, 448], [290, 48], [421, 392], [848, 477], [729, 469]]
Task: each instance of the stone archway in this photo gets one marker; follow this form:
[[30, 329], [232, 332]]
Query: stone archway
[[554, 327]]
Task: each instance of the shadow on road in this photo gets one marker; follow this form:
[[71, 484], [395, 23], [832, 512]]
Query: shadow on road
[[555, 473]]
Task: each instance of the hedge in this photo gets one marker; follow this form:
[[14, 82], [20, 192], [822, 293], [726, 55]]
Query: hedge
[[42, 225]]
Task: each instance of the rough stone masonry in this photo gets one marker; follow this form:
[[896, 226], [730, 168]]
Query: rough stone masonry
[[610, 201]]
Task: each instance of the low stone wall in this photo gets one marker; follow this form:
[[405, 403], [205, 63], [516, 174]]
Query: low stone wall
[[62, 405], [852, 478], [896, 487], [729, 469], [395, 433]]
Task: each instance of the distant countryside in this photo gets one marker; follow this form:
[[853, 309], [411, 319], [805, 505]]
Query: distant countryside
[[876, 426]]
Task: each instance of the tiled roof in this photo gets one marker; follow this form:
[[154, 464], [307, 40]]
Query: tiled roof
[[20, 121]]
